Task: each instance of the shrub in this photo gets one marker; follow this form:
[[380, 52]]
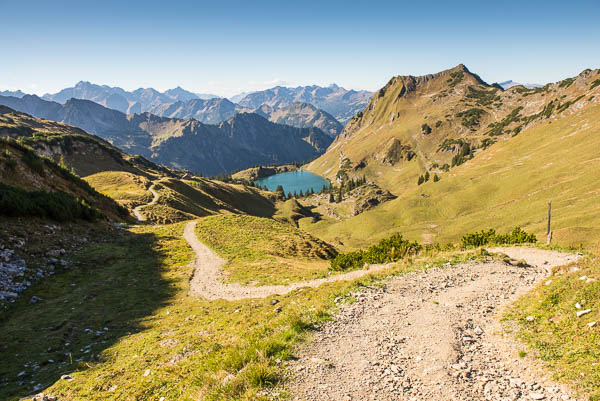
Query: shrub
[[483, 97], [470, 118], [565, 83], [455, 78], [387, 250], [33, 162], [517, 236], [58, 205], [595, 83], [425, 129]]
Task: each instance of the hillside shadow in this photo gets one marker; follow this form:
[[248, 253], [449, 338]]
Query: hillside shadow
[[107, 293]]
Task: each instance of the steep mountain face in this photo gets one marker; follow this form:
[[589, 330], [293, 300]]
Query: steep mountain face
[[116, 98], [243, 141], [84, 153], [337, 101], [432, 123], [214, 111], [302, 115], [210, 111]]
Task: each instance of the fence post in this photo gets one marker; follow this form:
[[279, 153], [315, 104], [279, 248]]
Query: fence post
[[549, 232]]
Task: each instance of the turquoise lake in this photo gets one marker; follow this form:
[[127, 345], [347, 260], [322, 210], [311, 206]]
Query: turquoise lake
[[299, 180]]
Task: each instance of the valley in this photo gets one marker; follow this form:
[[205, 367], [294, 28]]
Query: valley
[[383, 282]]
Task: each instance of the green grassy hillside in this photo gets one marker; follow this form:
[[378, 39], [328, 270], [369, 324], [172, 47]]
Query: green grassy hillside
[[76, 149], [432, 123], [264, 251], [37, 186], [187, 199], [505, 185]]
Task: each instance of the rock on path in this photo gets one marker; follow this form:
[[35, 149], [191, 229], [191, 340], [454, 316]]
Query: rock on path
[[429, 336]]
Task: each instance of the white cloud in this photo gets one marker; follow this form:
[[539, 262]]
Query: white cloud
[[269, 84]]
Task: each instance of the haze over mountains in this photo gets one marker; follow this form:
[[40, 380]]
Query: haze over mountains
[[510, 83], [244, 140], [341, 103], [137, 101]]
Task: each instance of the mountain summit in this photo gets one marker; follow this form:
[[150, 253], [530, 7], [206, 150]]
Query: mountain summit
[[137, 101]]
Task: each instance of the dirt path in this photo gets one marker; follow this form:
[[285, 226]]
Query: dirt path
[[429, 336], [137, 211], [207, 283]]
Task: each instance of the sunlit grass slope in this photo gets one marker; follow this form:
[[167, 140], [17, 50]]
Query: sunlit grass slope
[[264, 251], [187, 199], [125, 187], [506, 185]]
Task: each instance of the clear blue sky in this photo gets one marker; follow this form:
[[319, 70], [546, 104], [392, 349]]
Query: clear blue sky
[[228, 46]]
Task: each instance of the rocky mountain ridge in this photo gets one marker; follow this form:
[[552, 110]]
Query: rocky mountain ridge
[[245, 140], [341, 103], [137, 101], [442, 120]]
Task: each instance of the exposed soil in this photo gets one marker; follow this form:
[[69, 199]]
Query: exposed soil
[[137, 212], [207, 282], [431, 335]]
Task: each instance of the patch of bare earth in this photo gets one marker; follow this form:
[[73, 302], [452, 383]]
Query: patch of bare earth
[[430, 335]]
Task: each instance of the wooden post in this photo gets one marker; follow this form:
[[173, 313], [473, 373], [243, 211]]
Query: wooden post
[[549, 233]]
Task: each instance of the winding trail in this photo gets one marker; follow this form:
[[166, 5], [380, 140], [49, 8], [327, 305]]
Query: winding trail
[[137, 210], [427, 335], [430, 335], [206, 281]]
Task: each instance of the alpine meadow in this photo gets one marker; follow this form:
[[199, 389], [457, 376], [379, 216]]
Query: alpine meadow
[[300, 202]]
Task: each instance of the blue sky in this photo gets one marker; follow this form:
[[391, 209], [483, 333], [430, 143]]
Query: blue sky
[[225, 47]]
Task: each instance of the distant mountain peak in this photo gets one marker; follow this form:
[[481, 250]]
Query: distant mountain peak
[[510, 83]]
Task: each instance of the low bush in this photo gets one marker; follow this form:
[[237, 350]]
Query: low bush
[[58, 205], [470, 118], [517, 236], [425, 129], [387, 250]]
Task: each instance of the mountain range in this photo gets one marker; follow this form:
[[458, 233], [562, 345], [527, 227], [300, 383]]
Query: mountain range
[[216, 110], [137, 101], [308, 106], [510, 83], [341, 103], [244, 140]]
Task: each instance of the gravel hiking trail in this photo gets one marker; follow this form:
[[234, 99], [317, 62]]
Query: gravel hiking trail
[[429, 335], [207, 282], [137, 212]]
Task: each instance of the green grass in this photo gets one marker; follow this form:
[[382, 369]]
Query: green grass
[[264, 251], [136, 285], [121, 186], [187, 199], [508, 184], [565, 342]]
